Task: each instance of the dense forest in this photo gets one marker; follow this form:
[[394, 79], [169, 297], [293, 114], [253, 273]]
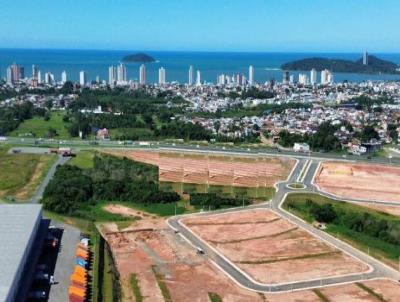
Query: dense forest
[[111, 179]]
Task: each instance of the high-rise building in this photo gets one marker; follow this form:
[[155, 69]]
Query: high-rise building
[[161, 76], [313, 76], [82, 78], [365, 58], [142, 75], [9, 76], [251, 75], [326, 77], [121, 73], [198, 78], [35, 71], [112, 75], [98, 79], [48, 78], [221, 80], [39, 77], [15, 73], [303, 79], [63, 77], [291, 79], [190, 82], [286, 77]]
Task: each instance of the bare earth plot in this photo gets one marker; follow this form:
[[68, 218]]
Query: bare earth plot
[[360, 181], [238, 171], [190, 277], [270, 249]]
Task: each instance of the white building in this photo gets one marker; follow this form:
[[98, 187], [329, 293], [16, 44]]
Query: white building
[[161, 76], [39, 77], [365, 58], [9, 76], [82, 78], [49, 78], [301, 147], [190, 82], [303, 79], [121, 74], [198, 78], [142, 75], [63, 77], [251, 75], [221, 80], [313, 76], [326, 77], [112, 75]]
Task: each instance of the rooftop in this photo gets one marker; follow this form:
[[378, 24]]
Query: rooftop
[[16, 227]]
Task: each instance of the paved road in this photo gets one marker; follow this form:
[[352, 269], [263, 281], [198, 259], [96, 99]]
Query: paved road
[[65, 263], [378, 269], [156, 145], [39, 192]]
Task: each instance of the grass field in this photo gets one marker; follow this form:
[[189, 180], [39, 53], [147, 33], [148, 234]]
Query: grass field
[[83, 159], [38, 127], [21, 174], [382, 250], [263, 193]]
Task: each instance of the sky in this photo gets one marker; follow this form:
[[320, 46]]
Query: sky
[[202, 25]]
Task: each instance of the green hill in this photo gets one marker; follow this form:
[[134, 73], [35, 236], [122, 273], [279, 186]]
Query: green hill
[[375, 65]]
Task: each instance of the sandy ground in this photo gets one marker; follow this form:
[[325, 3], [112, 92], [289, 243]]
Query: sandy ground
[[214, 170], [393, 210], [267, 247], [190, 277], [360, 181]]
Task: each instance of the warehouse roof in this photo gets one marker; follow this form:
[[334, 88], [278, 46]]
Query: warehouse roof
[[17, 222]]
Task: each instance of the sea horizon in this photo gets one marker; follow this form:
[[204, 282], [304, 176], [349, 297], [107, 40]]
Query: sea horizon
[[210, 63]]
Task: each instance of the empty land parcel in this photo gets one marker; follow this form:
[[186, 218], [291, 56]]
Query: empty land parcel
[[234, 175], [360, 181], [158, 265], [271, 249]]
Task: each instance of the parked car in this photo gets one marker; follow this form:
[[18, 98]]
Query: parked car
[[37, 295]]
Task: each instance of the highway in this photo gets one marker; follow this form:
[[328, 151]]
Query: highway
[[164, 145], [377, 269]]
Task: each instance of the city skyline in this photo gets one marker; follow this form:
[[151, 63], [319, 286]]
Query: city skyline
[[277, 26]]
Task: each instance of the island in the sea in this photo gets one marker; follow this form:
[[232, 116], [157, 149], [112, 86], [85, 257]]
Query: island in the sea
[[370, 65], [138, 58]]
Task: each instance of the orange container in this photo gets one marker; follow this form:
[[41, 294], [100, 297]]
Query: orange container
[[78, 278], [76, 291]]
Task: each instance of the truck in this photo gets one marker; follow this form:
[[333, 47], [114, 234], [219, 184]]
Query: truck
[[144, 144]]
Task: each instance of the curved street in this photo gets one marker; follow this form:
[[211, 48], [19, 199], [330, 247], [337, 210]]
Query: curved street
[[309, 167]]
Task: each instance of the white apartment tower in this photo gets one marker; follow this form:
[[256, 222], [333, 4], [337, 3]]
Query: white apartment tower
[[198, 78], [190, 82], [112, 75], [313, 76], [251, 75], [121, 73], [365, 58], [82, 78], [142, 75], [161, 76], [63, 77]]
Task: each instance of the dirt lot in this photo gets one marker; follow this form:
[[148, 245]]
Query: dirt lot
[[214, 170], [268, 247], [360, 181], [189, 277]]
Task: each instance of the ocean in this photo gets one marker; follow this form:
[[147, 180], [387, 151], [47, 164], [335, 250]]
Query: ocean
[[210, 64]]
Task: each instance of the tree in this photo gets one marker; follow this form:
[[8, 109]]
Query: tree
[[325, 213], [369, 133]]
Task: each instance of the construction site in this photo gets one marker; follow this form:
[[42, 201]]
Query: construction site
[[267, 247], [156, 264], [359, 181]]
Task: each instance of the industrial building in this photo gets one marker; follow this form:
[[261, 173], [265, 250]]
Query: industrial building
[[22, 233]]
